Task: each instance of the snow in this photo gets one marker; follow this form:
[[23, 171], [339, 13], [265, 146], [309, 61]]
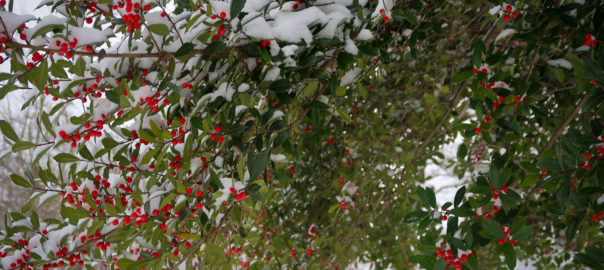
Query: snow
[[350, 47], [252, 5], [219, 161], [494, 10], [350, 76], [289, 50], [505, 33], [293, 26], [279, 158], [87, 36], [224, 90], [272, 74], [220, 6], [239, 109], [562, 63], [13, 21], [47, 20], [329, 31], [243, 87], [276, 114], [365, 34], [258, 28], [385, 5]]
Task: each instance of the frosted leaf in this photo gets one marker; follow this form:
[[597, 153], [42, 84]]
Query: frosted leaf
[[279, 158], [350, 76], [505, 33], [561, 63]]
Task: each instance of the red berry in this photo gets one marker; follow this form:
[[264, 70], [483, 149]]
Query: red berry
[[478, 130], [217, 129], [189, 190], [222, 15], [506, 17], [295, 6]]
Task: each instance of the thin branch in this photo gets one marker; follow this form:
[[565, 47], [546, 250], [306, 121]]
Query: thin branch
[[93, 54], [559, 131], [437, 127]]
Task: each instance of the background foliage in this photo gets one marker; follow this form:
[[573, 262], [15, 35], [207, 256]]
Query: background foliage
[[269, 134]]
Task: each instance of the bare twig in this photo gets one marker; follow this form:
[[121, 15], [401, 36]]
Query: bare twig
[[560, 129]]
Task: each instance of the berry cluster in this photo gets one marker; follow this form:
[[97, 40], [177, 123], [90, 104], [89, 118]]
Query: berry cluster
[[590, 40], [508, 236], [238, 195], [454, 260], [508, 9]]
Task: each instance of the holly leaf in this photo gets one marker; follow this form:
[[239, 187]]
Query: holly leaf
[[257, 164], [184, 49], [20, 181], [65, 158], [160, 29]]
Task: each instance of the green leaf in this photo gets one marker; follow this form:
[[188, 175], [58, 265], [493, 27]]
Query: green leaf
[[524, 232], [169, 198], [236, 7], [571, 230], [68, 212], [47, 28], [494, 176], [160, 29], [493, 228], [415, 216], [462, 76], [66, 158], [510, 256], [85, 153], [410, 18], [439, 264], [20, 181], [184, 49], [256, 165], [344, 115], [459, 195], [8, 131], [47, 124], [462, 150], [427, 196], [197, 122], [22, 145], [549, 164], [280, 85], [145, 135], [7, 89], [89, 199], [214, 47]]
